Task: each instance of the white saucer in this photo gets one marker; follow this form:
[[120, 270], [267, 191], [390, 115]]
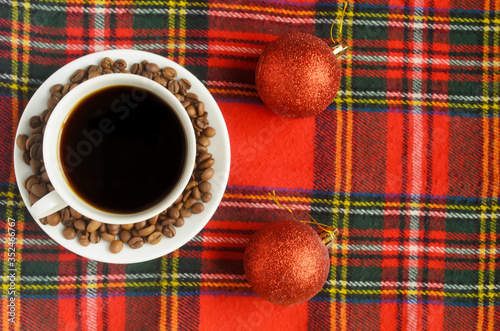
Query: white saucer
[[219, 147]]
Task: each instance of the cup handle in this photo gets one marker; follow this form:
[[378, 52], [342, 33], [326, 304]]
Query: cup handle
[[47, 205]]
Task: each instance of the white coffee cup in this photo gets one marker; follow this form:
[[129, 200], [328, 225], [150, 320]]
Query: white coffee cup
[[63, 195]]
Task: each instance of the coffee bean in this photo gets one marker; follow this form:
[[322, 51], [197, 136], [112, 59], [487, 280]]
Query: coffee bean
[[30, 181], [65, 90], [54, 100], [206, 164], [127, 226], [107, 237], [169, 231], [95, 68], [144, 63], [102, 228], [185, 103], [140, 225], [202, 123], [203, 157], [47, 116], [107, 63], [179, 97], [201, 108], [147, 74], [146, 231], [54, 219], [184, 213], [207, 174], [209, 132], [56, 88], [173, 213], [39, 189], [158, 227], [196, 193], [35, 121], [93, 226], [33, 140], [116, 246], [178, 206], [35, 166], [186, 195], [153, 220], [125, 236], [120, 65], [190, 202], [26, 157], [154, 238], [66, 218], [193, 98], [169, 73], [136, 68], [69, 233], [162, 81], [107, 72], [134, 232], [94, 237], [206, 197], [153, 67], [185, 83], [167, 221], [80, 224], [21, 141], [77, 76], [74, 213], [201, 149], [135, 242], [50, 187], [179, 222], [173, 86], [44, 176], [113, 228], [197, 208], [39, 129], [191, 111], [179, 198], [84, 241], [36, 151], [94, 74]]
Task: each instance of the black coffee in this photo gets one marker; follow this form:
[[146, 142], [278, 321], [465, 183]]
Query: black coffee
[[123, 149]]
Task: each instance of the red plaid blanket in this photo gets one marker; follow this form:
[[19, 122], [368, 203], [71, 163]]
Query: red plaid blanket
[[404, 162]]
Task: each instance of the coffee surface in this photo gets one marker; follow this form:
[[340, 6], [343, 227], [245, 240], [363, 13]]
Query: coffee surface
[[123, 149]]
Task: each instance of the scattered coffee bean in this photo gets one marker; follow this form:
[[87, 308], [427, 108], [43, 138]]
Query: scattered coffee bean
[[39, 189], [77, 76], [136, 69], [74, 213], [169, 231], [94, 237], [26, 157], [93, 226], [201, 108], [185, 213], [173, 213], [125, 236], [190, 202], [179, 222], [94, 74], [127, 226], [206, 164], [196, 193], [56, 88], [135, 242], [107, 63], [184, 83], [54, 219], [107, 237], [35, 166], [35, 121], [21, 141], [33, 140], [36, 151], [197, 208], [146, 73], [209, 132], [140, 225], [153, 67], [134, 232], [30, 181], [69, 233], [113, 228], [167, 221], [146, 231], [169, 73], [154, 237], [65, 90], [207, 174], [201, 123], [206, 197], [116, 246], [120, 65], [84, 241], [80, 224], [44, 176], [153, 220]]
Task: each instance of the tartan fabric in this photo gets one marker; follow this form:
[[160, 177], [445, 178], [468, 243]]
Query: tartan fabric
[[404, 162]]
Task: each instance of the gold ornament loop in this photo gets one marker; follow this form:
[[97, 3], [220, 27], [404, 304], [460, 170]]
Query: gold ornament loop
[[341, 23], [328, 234]]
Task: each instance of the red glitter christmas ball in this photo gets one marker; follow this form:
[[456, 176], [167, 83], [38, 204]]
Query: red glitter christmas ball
[[286, 262], [297, 75]]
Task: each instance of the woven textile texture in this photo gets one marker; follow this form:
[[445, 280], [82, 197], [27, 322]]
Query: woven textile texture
[[405, 163]]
